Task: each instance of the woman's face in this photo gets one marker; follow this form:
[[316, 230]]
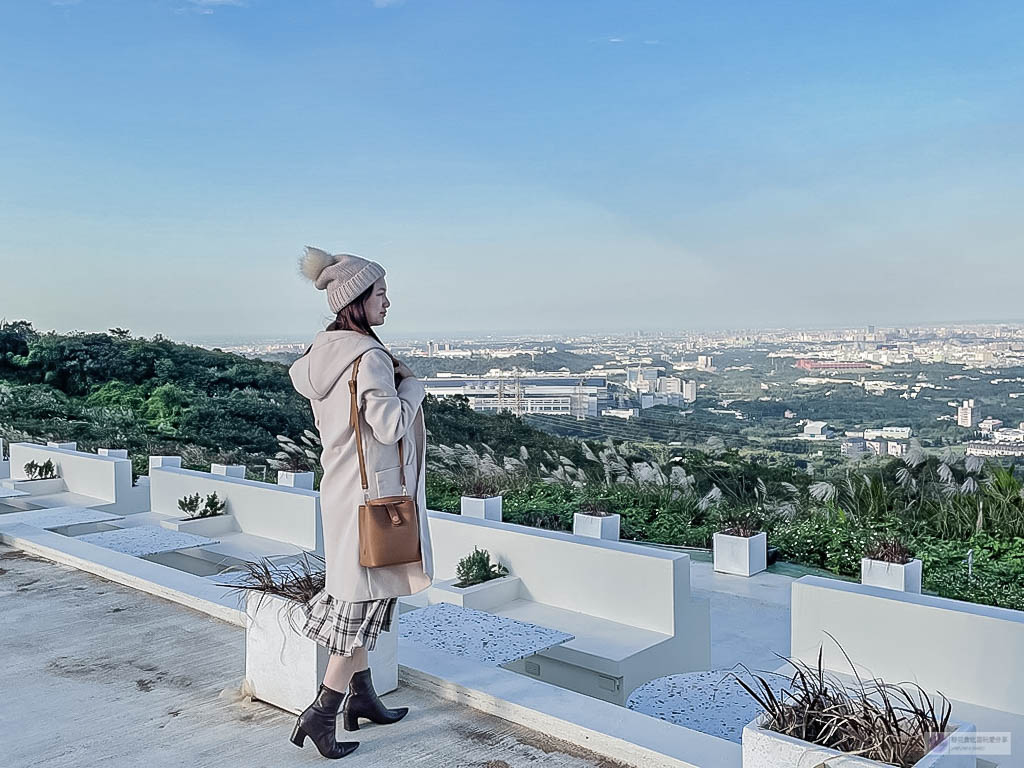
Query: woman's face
[[376, 306]]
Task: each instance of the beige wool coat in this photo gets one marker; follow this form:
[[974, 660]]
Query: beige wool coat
[[387, 415]]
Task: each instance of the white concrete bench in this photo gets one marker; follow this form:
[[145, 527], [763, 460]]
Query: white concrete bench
[[89, 479], [628, 606], [277, 512]]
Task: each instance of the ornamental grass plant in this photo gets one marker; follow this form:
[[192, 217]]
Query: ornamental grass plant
[[893, 724]]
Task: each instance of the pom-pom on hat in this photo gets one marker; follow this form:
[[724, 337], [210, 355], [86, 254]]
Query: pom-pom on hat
[[342, 275]]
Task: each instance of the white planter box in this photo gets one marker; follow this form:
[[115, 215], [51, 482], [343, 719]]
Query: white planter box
[[596, 526], [155, 462], [285, 668], [114, 453], [295, 479], [38, 487], [62, 446], [204, 526], [767, 749], [739, 555], [487, 509], [879, 573], [228, 470], [482, 597]]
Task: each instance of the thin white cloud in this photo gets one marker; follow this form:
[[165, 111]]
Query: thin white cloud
[[652, 42], [615, 40], [206, 7], [386, 3], [63, 3]]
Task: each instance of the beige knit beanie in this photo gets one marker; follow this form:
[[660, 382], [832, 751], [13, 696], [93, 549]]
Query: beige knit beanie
[[342, 275]]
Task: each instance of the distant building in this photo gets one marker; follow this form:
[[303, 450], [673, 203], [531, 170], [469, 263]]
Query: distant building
[[1008, 435], [690, 391], [705, 363], [832, 365], [789, 414], [966, 416], [879, 447], [989, 425], [995, 449], [579, 396], [621, 413], [853, 447], [670, 385], [643, 379], [888, 433], [816, 430], [898, 450]]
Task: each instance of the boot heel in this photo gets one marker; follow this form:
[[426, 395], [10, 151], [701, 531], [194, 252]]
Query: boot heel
[[298, 736], [350, 721]]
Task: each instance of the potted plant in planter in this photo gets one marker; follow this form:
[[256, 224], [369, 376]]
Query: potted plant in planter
[[479, 476], [741, 547], [45, 471], [203, 518], [888, 563], [479, 583], [40, 478], [481, 497], [819, 721], [283, 667], [595, 519], [211, 508]]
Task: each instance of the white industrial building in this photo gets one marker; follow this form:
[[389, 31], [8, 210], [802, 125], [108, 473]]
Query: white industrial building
[[579, 396], [888, 433]]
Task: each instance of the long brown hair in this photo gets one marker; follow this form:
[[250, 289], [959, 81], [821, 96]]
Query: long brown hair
[[352, 317]]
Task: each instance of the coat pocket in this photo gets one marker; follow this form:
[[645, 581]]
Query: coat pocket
[[389, 481]]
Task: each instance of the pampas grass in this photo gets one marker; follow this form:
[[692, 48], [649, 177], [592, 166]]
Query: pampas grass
[[298, 582]]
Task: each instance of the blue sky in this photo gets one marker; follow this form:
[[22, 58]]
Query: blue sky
[[517, 166]]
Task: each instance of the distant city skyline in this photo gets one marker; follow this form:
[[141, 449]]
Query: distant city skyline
[[513, 165]]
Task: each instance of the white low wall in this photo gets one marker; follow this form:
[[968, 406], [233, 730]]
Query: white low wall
[[102, 477], [291, 515], [641, 586], [969, 652]]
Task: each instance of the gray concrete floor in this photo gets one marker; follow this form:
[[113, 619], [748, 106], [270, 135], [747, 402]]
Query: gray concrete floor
[[96, 674]]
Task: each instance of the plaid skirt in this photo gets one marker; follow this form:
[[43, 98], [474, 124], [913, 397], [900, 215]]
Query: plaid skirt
[[341, 626]]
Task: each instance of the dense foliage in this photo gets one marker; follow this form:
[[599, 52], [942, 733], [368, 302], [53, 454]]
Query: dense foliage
[[149, 396], [964, 519]]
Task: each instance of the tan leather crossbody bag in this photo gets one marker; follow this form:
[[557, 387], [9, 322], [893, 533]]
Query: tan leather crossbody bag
[[389, 531]]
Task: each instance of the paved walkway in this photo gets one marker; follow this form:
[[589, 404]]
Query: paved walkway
[[97, 674]]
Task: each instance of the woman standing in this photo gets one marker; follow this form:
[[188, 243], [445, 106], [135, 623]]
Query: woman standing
[[357, 602]]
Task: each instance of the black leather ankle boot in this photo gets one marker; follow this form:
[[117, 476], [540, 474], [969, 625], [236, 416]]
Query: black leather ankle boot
[[318, 721], [362, 701]]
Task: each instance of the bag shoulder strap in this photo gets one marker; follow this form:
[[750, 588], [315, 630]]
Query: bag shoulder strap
[[354, 420]]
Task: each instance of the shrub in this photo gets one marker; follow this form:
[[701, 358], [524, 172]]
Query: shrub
[[190, 505], [744, 521], [596, 507], [45, 471], [889, 550], [476, 568], [212, 507]]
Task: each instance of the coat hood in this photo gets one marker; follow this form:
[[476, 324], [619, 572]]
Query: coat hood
[[316, 372]]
